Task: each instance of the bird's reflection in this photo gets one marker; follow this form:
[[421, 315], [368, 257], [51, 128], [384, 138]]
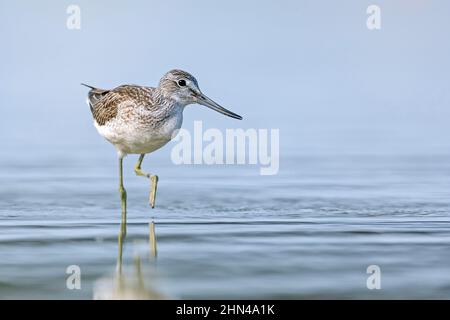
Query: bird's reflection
[[135, 285], [121, 240]]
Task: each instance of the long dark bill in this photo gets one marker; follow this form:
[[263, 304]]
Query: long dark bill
[[207, 102]]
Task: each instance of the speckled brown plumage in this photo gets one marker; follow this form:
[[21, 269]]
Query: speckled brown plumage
[[105, 103]]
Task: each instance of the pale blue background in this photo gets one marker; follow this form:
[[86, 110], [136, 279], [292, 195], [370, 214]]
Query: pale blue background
[[310, 68]]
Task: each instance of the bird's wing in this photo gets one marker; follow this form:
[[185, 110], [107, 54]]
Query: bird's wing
[[105, 103]]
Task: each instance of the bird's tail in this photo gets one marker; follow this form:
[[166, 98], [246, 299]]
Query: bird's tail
[[94, 95], [86, 85]]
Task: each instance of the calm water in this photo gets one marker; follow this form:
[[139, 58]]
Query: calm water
[[225, 231]]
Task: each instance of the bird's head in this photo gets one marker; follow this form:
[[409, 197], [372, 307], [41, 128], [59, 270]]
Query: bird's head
[[183, 88]]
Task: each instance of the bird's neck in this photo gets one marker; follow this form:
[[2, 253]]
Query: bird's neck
[[167, 101]]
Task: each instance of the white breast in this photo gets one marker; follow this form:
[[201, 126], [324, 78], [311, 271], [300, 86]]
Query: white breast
[[129, 138]]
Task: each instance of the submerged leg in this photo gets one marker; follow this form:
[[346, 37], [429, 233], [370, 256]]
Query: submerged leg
[[153, 180], [123, 224]]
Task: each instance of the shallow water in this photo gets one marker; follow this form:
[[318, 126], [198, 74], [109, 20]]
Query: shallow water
[[224, 231]]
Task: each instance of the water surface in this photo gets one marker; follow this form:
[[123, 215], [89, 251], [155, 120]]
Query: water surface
[[224, 231]]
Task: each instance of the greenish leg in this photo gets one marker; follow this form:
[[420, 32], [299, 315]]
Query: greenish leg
[[123, 224], [153, 180]]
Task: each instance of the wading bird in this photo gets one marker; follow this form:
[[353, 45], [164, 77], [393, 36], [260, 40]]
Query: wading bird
[[140, 120]]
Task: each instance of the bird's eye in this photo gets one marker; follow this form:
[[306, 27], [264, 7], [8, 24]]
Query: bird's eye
[[182, 83]]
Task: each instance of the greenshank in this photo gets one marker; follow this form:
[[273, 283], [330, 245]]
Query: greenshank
[[140, 120]]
